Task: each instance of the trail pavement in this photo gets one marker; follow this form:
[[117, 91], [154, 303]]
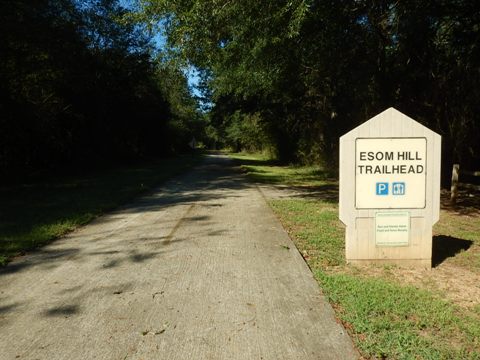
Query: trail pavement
[[198, 269]]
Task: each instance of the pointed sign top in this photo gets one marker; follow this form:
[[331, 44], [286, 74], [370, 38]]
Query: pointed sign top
[[388, 123]]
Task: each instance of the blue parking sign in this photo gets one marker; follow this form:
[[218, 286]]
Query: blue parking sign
[[382, 188]]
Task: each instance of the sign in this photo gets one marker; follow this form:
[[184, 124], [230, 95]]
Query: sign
[[398, 188], [392, 228], [389, 190], [390, 173], [382, 188]]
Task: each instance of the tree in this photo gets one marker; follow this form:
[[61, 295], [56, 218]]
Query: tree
[[80, 87], [309, 71]]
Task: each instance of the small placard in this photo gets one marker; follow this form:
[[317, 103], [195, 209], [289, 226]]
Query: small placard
[[392, 228]]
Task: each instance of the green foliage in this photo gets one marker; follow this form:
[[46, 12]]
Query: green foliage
[[244, 132], [186, 121], [79, 87], [309, 71]]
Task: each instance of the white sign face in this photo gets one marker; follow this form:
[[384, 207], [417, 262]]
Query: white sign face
[[392, 228], [390, 173]]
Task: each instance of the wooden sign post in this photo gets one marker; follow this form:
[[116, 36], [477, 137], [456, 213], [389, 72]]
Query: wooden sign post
[[390, 190]]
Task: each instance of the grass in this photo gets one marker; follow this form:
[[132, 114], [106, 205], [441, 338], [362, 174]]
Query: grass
[[387, 317], [401, 322], [33, 214], [312, 221], [263, 170], [465, 228]]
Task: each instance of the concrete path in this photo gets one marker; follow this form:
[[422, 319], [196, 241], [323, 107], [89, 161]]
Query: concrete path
[[200, 269]]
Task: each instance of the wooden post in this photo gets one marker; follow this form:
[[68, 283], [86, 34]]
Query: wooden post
[[454, 187]]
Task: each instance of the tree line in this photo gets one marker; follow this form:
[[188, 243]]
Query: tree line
[[291, 76], [80, 86]]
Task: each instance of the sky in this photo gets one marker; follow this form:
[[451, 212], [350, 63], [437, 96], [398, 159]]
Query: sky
[[159, 41]]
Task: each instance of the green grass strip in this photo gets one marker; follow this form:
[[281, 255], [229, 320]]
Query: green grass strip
[[401, 322], [315, 225]]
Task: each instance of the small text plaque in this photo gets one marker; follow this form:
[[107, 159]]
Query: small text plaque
[[392, 228]]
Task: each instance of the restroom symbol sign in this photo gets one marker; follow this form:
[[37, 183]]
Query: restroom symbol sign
[[382, 188], [398, 188]]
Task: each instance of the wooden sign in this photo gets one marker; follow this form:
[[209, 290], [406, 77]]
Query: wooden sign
[[390, 190]]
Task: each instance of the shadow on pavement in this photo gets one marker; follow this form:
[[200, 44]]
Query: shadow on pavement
[[216, 178], [64, 310]]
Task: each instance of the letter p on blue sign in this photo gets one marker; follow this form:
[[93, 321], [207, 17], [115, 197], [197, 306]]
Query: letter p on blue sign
[[382, 188]]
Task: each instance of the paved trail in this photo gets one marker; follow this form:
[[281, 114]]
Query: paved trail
[[200, 269]]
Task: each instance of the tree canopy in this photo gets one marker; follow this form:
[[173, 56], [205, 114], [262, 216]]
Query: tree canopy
[[80, 82], [79, 86], [294, 75]]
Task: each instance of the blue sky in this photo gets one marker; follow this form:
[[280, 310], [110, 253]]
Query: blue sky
[[192, 75], [159, 42]]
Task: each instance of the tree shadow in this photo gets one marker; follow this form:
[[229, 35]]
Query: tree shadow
[[444, 247], [197, 218], [7, 308], [327, 193], [214, 179], [468, 202], [255, 162], [141, 257], [46, 258], [65, 310]]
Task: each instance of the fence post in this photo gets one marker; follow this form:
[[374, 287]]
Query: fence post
[[454, 187]]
